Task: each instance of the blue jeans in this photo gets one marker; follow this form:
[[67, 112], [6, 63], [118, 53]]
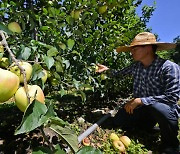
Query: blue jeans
[[146, 117]]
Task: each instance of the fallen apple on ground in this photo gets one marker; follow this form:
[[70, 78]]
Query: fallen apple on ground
[[125, 140], [86, 141], [27, 67], [114, 137], [117, 144], [9, 83], [34, 91]]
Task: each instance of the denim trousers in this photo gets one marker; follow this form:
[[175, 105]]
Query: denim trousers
[[147, 116]]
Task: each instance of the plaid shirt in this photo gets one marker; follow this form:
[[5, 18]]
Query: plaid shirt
[[159, 82]]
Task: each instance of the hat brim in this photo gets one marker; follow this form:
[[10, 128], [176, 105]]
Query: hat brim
[[160, 46]]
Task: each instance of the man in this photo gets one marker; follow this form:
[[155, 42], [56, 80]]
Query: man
[[156, 91]]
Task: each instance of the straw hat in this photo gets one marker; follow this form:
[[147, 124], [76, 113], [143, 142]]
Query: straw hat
[[146, 38]]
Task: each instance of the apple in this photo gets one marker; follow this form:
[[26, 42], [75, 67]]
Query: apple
[[34, 91], [75, 14], [119, 145], [125, 140], [103, 76], [103, 9], [96, 68], [86, 141], [44, 78], [114, 137], [4, 62], [9, 83], [14, 27], [28, 70], [1, 49]]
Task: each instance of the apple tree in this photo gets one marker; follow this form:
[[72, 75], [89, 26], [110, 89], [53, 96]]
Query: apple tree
[[63, 41]]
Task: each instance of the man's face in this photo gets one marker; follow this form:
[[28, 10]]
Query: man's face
[[138, 52]]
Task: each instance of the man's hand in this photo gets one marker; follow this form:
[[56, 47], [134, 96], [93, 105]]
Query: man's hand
[[132, 104], [101, 68]]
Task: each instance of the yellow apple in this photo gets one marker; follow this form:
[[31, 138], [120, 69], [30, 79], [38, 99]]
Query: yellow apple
[[34, 91], [103, 9], [44, 78], [125, 140], [9, 83], [14, 27], [113, 137], [119, 145], [4, 62], [28, 70]]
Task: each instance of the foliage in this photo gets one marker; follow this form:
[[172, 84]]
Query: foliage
[[68, 38], [68, 46]]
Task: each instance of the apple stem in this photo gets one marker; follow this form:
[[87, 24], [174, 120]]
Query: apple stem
[[4, 42]]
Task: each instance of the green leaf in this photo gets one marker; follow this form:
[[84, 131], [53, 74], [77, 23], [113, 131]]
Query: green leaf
[[67, 135], [67, 63], [52, 52], [49, 61], [5, 29], [42, 150], [89, 150], [26, 53], [32, 117], [70, 43], [58, 150]]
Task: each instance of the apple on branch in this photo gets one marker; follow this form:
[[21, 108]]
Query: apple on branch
[[28, 70], [34, 91], [14, 27], [9, 83]]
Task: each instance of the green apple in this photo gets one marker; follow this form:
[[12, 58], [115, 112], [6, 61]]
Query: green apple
[[103, 76], [125, 140], [44, 78], [113, 137], [77, 14], [9, 83], [14, 27], [119, 145], [27, 67], [4, 62], [1, 49], [103, 9], [34, 91]]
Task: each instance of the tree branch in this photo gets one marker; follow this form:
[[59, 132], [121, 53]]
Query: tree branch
[[4, 42]]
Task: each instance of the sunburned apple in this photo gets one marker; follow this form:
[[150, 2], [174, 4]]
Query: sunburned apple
[[27, 67], [86, 141], [34, 91], [9, 83]]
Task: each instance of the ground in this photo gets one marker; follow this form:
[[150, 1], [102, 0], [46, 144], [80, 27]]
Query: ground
[[11, 117]]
